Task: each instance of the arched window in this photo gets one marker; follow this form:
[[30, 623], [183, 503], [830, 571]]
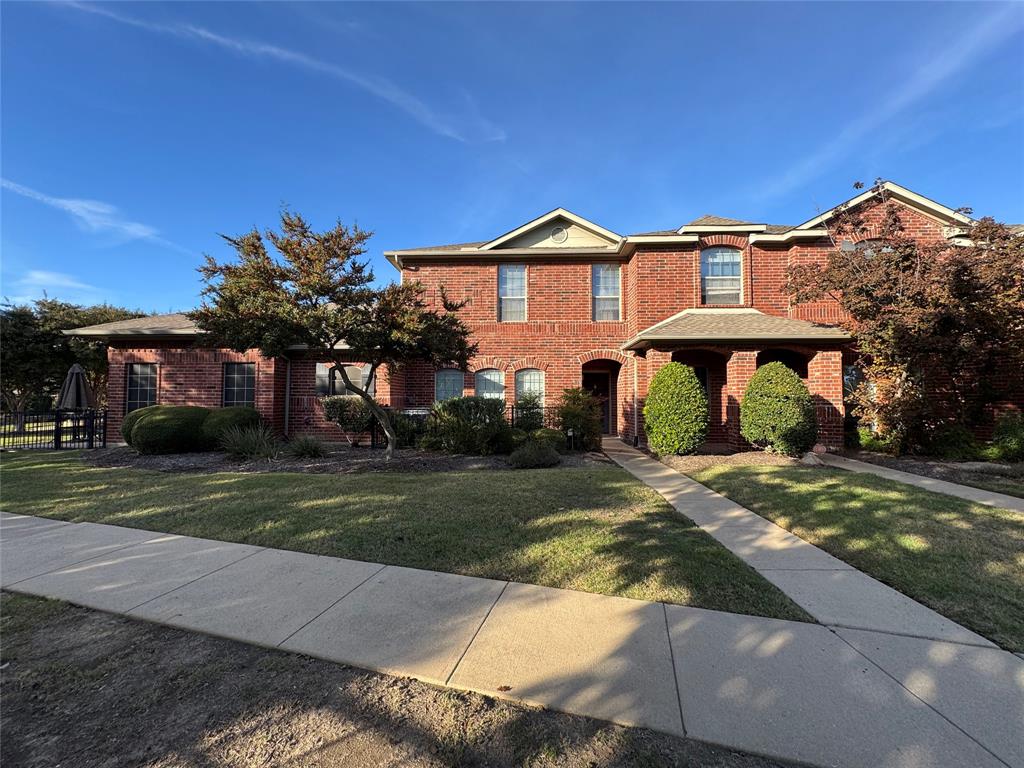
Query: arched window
[[721, 280], [490, 382], [529, 381], [448, 383]]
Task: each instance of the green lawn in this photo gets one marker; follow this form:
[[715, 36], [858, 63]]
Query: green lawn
[[591, 529], [964, 560]]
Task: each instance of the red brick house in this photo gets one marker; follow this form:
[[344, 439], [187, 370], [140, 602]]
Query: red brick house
[[560, 302]]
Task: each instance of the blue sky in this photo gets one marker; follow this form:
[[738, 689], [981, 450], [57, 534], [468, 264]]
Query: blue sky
[[134, 133]]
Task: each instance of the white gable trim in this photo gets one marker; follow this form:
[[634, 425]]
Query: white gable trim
[[558, 213], [900, 193]]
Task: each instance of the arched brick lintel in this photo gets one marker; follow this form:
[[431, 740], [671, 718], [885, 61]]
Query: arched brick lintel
[[603, 354], [733, 241]]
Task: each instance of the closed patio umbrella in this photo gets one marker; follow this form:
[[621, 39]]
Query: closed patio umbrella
[[75, 392]]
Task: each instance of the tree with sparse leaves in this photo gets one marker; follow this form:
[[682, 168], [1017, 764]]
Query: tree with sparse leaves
[[931, 321], [315, 291]]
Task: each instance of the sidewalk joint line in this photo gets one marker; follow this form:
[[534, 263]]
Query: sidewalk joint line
[[927, 704], [197, 578], [675, 675], [473, 638], [325, 610]]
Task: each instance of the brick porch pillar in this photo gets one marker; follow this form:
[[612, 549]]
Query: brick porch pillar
[[738, 370], [825, 381]]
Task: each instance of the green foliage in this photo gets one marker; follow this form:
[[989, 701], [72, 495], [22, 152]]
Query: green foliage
[[777, 412], [1008, 437], [578, 410], [221, 419], [130, 419], [529, 412], [954, 442], [350, 412], [553, 437], [409, 430], [676, 411], [534, 453], [305, 447], [170, 429], [252, 442], [869, 441], [473, 425]]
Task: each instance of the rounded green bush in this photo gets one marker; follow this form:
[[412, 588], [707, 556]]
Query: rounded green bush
[[171, 429], [553, 437], [580, 412], [534, 453], [676, 411], [777, 412], [221, 419], [131, 419], [1008, 437]]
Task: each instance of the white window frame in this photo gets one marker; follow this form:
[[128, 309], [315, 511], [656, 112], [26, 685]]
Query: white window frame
[[521, 390], [441, 389], [594, 296], [718, 249], [524, 298], [499, 381]]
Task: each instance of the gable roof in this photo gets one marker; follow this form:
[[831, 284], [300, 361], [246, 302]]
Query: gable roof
[[173, 324], [709, 219], [550, 216], [902, 194]]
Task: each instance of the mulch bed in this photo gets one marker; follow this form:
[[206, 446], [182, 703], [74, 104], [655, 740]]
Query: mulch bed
[[698, 462], [340, 460], [963, 472]]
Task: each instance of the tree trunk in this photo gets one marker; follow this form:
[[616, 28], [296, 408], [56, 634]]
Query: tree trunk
[[378, 412]]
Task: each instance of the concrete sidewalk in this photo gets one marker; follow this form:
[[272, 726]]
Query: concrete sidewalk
[[834, 593], [789, 690], [977, 495]]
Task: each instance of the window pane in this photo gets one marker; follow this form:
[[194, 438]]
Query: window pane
[[529, 380], [448, 384], [606, 284], [490, 383], [606, 308], [240, 384], [512, 310], [512, 292], [141, 386], [721, 281], [323, 379]]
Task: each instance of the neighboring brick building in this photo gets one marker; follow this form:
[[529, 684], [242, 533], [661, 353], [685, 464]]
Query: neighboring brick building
[[561, 302]]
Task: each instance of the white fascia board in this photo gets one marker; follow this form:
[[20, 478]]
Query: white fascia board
[[793, 234], [663, 239], [899, 192], [711, 228], [551, 216]]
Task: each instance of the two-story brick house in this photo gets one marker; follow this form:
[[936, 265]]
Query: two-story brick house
[[561, 302]]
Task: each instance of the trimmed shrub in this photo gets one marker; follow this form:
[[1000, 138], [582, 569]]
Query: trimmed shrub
[[221, 419], [869, 441], [676, 411], [473, 425], [171, 429], [408, 429], [553, 437], [534, 453], [578, 410], [777, 412], [1008, 437], [350, 412], [305, 447], [131, 419], [256, 441], [529, 412], [954, 442]]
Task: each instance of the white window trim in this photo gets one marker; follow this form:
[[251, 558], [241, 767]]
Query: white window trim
[[742, 276], [526, 291], [543, 378], [476, 385], [593, 313]]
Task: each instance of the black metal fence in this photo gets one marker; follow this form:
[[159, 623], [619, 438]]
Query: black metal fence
[[531, 417], [409, 423], [54, 430]]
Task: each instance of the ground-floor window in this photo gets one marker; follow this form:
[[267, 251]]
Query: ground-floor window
[[240, 384], [448, 383], [530, 381], [329, 381], [141, 386], [490, 382]]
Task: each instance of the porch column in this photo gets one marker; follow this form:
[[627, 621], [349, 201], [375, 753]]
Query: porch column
[[825, 381], [738, 370]]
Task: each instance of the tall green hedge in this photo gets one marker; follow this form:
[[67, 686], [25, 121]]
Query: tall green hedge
[[676, 411], [222, 419], [130, 419], [777, 412], [171, 429]]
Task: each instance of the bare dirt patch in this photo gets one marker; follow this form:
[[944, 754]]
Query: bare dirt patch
[[991, 476], [340, 459], [699, 462], [86, 689]]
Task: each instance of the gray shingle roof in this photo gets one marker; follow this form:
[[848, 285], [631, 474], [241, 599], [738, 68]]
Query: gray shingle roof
[[173, 324], [734, 325], [707, 220]]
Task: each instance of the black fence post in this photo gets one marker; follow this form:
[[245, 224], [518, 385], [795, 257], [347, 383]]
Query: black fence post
[[56, 430], [90, 428]]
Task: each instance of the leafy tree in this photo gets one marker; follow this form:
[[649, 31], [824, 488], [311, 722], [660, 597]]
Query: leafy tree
[[317, 292], [28, 368], [931, 321]]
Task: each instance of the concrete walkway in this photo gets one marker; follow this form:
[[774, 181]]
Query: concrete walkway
[[834, 593], [788, 690], [977, 495]]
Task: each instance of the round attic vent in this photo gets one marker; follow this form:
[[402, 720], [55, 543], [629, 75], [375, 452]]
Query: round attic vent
[[559, 235]]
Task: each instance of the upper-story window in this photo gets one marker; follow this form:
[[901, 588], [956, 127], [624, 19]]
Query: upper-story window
[[606, 282], [239, 384], [448, 383], [511, 293], [721, 280], [490, 382]]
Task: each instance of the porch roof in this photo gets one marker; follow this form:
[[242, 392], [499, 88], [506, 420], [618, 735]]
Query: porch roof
[[733, 325], [174, 324]]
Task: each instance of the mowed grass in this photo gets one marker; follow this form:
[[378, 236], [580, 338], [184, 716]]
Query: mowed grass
[[589, 529], [964, 560]]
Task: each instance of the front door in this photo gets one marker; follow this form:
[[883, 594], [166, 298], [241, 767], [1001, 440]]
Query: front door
[[598, 383]]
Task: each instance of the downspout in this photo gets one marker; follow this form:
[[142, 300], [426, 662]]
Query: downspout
[[287, 393], [636, 410]]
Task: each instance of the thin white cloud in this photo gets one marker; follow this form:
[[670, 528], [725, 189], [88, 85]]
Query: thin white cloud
[[469, 127], [94, 216], [39, 283], [958, 53]]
